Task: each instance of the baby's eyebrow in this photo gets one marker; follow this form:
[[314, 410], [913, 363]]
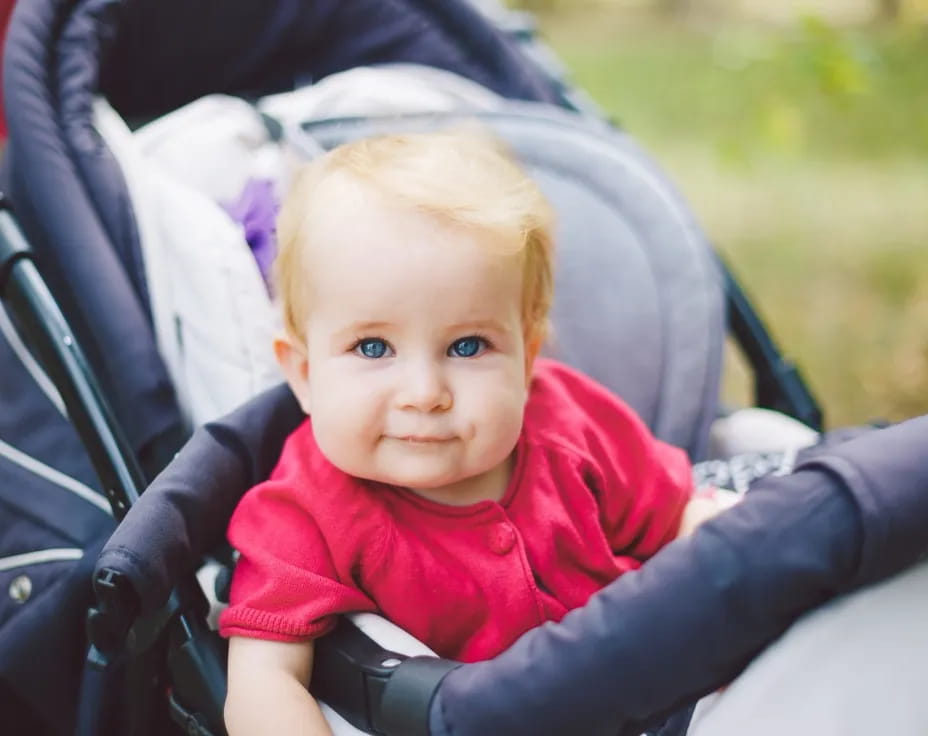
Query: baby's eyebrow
[[357, 330], [366, 326], [492, 325]]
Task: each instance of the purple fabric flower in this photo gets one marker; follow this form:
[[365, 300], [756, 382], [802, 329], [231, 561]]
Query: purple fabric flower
[[256, 211]]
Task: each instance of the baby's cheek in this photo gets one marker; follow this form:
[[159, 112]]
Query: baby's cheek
[[335, 425], [503, 415], [342, 447]]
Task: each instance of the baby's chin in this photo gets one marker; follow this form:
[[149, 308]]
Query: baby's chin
[[425, 479], [421, 481], [424, 470]]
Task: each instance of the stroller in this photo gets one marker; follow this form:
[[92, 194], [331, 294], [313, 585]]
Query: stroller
[[94, 407]]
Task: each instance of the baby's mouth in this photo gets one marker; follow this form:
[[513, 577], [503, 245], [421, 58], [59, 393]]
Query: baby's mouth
[[423, 439]]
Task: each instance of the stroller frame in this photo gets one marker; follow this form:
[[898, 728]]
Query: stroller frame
[[374, 688]]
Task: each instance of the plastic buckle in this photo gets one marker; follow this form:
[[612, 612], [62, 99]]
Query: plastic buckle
[[109, 623]]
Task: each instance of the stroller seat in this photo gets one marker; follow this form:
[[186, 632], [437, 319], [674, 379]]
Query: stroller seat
[[638, 304]]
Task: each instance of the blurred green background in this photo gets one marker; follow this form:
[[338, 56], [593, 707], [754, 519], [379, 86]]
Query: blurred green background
[[799, 134]]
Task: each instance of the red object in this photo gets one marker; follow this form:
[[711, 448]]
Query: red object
[[592, 495], [6, 10]]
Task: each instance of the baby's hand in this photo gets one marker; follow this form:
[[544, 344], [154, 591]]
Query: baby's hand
[[705, 503]]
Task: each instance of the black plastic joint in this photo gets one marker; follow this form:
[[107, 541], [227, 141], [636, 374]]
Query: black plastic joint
[[117, 607], [408, 695]]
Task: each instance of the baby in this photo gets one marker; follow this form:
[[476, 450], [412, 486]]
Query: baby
[[447, 478]]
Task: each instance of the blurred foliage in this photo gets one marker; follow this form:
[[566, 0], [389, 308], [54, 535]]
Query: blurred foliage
[[803, 150], [803, 72], [806, 90], [841, 66]]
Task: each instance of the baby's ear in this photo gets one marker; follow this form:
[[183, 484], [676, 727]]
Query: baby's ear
[[532, 348], [291, 356]]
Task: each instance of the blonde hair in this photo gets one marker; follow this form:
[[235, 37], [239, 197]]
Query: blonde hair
[[464, 177]]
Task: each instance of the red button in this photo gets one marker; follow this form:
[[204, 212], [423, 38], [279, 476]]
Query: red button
[[501, 538]]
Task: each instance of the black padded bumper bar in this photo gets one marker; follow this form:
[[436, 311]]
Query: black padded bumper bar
[[376, 690], [408, 695]]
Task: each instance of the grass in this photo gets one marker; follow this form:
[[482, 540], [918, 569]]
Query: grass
[[804, 152]]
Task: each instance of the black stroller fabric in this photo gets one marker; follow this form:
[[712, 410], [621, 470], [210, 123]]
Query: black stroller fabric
[[69, 197], [53, 521]]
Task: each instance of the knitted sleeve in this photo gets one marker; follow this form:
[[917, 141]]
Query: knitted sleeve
[[289, 582]]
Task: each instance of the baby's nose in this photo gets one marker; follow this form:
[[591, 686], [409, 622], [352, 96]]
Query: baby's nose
[[425, 388]]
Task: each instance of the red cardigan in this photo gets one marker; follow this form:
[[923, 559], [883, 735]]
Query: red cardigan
[[592, 495]]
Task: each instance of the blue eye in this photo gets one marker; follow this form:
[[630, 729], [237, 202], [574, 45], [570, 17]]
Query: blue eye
[[467, 347], [372, 348]]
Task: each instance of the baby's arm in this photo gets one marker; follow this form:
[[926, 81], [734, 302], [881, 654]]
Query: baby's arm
[[268, 689]]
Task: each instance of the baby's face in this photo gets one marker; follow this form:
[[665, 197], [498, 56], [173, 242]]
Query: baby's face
[[417, 370]]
